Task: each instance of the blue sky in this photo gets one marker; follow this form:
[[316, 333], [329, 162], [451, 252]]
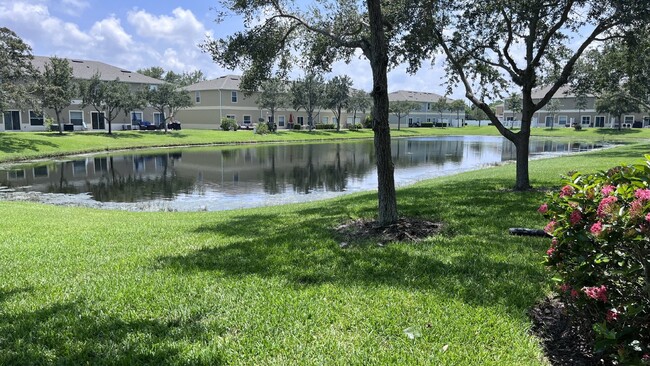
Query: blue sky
[[145, 33]]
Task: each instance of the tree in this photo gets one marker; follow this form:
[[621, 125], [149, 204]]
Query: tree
[[402, 108], [552, 108], [513, 103], [321, 36], [184, 79], [273, 96], [359, 102], [481, 43], [458, 105], [337, 96], [57, 87], [155, 72], [308, 93], [167, 99], [106, 97], [616, 104], [440, 106], [16, 70]]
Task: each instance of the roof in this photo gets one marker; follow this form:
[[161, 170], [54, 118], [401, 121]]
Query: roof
[[563, 92], [413, 96], [227, 82], [85, 69]]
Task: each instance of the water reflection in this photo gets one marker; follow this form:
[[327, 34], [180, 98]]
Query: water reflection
[[234, 177]]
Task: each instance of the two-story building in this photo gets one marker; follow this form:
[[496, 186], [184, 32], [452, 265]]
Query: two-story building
[[76, 115], [426, 111]]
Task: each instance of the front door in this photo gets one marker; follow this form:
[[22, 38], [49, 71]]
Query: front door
[[97, 120], [12, 120]]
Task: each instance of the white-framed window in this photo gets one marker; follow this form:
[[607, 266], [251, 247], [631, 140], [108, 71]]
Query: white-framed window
[[76, 117], [281, 121], [136, 117], [325, 120], [12, 120], [157, 118], [599, 121], [101, 165], [548, 121], [562, 120], [428, 106], [16, 174], [153, 87], [35, 118], [79, 167], [197, 97], [300, 120], [247, 120], [585, 120], [233, 96], [41, 171], [410, 121], [646, 121]]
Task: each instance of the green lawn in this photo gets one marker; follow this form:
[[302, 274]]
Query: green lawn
[[271, 286], [28, 145]]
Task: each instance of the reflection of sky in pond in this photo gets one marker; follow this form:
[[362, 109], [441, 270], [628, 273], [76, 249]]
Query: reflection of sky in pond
[[237, 177]]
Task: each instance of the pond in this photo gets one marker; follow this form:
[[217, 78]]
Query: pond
[[222, 178]]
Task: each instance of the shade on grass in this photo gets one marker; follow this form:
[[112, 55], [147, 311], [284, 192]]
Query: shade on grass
[[272, 285]]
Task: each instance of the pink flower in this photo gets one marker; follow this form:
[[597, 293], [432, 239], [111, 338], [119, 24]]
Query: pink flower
[[612, 315], [550, 251], [642, 194], [550, 227], [567, 191], [574, 294], [607, 190], [605, 206], [596, 293], [646, 358], [647, 217], [636, 208], [575, 217], [543, 208], [596, 228], [565, 287]]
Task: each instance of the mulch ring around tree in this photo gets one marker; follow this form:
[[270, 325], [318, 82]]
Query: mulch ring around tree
[[567, 339], [404, 230]]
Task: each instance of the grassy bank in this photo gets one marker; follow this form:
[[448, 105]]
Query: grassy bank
[[26, 145], [272, 286]]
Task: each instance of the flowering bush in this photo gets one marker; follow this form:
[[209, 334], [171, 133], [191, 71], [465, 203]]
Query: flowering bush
[[600, 224]]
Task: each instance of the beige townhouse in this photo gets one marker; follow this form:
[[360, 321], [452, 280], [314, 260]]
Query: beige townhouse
[[426, 111], [76, 117]]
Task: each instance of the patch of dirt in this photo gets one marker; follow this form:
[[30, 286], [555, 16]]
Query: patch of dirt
[[405, 229], [567, 339]]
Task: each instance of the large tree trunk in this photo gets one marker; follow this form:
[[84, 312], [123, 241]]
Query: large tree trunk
[[58, 121], [378, 52], [522, 146], [110, 120]]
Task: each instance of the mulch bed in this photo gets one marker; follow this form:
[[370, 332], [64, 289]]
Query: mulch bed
[[405, 229], [567, 339]]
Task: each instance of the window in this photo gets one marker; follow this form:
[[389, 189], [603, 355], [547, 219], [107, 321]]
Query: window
[[548, 122], [646, 121], [157, 118], [77, 118], [136, 117], [428, 106], [16, 174], [561, 120], [79, 167], [233, 96], [247, 120], [585, 120], [101, 165], [35, 118], [12, 120], [325, 119], [599, 121], [301, 120], [281, 121], [628, 121], [197, 97], [40, 171]]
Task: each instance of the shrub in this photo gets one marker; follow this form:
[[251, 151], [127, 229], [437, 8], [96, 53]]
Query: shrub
[[600, 250], [426, 124], [325, 126], [354, 126], [262, 128], [228, 124], [367, 122], [297, 126], [577, 126]]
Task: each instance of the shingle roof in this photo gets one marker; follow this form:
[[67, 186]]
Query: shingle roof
[[227, 82], [413, 96], [563, 92], [85, 69]]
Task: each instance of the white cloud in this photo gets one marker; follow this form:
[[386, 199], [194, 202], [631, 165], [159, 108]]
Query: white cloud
[[109, 32], [179, 28], [74, 8]]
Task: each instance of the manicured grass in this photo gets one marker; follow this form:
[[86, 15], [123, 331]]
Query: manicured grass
[[25, 145], [271, 286]]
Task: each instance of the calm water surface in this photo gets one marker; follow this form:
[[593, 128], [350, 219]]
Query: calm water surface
[[223, 178]]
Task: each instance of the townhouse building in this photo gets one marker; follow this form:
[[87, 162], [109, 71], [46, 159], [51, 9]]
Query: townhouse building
[[77, 117], [572, 110], [426, 111]]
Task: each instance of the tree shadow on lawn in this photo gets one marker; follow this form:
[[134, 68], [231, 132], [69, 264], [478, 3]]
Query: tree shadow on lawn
[[12, 143], [472, 267], [67, 334], [633, 151]]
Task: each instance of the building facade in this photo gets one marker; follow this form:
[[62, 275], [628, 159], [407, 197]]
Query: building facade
[[426, 112], [76, 116]]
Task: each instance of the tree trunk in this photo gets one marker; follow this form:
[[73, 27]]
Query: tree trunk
[[378, 55], [521, 140], [110, 119], [58, 121]]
